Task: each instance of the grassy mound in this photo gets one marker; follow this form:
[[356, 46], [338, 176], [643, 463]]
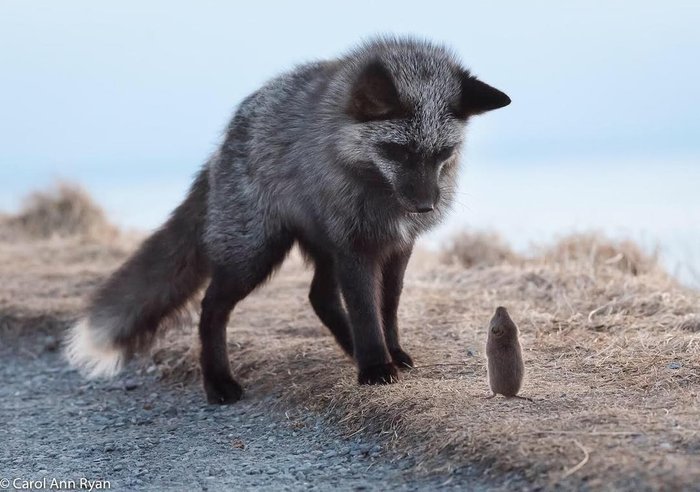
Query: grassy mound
[[612, 361]]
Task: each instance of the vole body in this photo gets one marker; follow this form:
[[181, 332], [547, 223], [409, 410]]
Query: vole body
[[504, 355]]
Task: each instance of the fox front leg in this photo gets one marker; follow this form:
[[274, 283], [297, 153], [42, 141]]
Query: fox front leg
[[392, 282], [359, 279]]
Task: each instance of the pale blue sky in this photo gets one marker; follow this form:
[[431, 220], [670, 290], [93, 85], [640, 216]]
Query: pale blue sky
[[130, 97], [92, 85]]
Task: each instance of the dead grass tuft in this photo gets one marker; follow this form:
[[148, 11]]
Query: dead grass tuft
[[596, 251], [470, 248], [62, 211]]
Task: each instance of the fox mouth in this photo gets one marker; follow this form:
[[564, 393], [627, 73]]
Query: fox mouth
[[413, 209]]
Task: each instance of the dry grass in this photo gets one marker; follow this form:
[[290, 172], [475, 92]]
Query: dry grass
[[612, 357], [54, 251], [471, 248], [594, 250]]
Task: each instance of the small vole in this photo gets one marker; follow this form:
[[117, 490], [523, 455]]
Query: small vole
[[505, 358]]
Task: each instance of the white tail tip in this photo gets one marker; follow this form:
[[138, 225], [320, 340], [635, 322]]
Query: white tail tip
[[92, 358]]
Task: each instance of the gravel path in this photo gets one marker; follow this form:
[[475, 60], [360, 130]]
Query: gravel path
[[140, 434]]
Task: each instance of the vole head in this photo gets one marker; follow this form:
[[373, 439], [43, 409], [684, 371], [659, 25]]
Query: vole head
[[502, 326]]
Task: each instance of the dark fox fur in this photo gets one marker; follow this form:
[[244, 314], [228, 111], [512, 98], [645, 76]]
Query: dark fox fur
[[351, 159]]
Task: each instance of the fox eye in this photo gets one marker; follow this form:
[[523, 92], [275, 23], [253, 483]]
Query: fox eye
[[444, 153], [396, 152]]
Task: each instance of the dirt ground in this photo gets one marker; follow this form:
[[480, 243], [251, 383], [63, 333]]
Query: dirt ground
[[611, 346], [139, 433]]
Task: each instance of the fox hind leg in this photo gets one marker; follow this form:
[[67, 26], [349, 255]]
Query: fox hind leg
[[229, 284], [220, 298]]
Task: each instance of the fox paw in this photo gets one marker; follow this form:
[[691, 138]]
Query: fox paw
[[222, 390], [401, 359], [378, 374]]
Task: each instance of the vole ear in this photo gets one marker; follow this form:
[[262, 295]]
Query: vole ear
[[477, 97], [374, 95]]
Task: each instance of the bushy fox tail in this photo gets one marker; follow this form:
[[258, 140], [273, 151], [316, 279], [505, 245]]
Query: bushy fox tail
[[154, 283]]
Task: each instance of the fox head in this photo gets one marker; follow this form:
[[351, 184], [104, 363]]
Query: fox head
[[406, 105]]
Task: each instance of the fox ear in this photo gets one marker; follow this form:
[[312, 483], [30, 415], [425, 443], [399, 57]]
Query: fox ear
[[374, 96], [477, 97]]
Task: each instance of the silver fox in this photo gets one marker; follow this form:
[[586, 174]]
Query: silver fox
[[351, 159]]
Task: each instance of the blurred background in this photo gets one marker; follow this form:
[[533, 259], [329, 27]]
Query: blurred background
[[129, 98]]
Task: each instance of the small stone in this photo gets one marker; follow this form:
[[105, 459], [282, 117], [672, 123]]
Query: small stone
[[52, 344], [130, 385], [365, 448], [674, 365]]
